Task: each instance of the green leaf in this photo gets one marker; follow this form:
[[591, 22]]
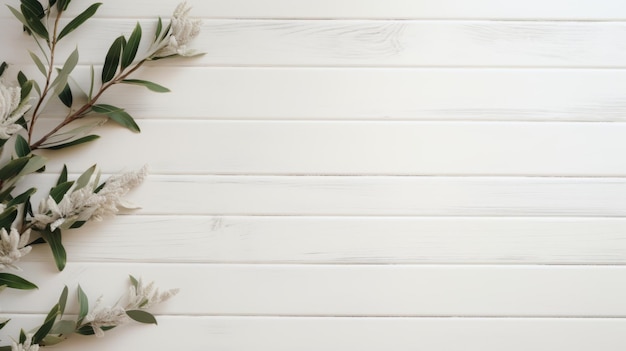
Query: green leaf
[[3, 67], [83, 303], [22, 336], [83, 180], [78, 141], [77, 224], [38, 63], [61, 79], [22, 149], [15, 282], [7, 217], [50, 339], [88, 330], [150, 85], [66, 96], [21, 78], [158, 30], [35, 7], [18, 15], [141, 316], [112, 59], [13, 168], [118, 115], [22, 198], [27, 87], [47, 325], [56, 245], [35, 163], [80, 19], [63, 301], [91, 81], [130, 50], [134, 281], [63, 327], [58, 191], [62, 176], [3, 324], [63, 4], [32, 12]]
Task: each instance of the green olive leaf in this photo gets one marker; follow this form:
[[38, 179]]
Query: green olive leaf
[[112, 59], [78, 20], [141, 316], [118, 115], [150, 85], [14, 282], [130, 50]]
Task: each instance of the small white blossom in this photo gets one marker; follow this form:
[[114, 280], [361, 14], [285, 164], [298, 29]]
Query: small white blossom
[[10, 110], [105, 317], [26, 346], [13, 247], [85, 204], [146, 296], [183, 30]]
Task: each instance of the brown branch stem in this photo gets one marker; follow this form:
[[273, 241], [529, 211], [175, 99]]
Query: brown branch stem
[[83, 110], [46, 89]]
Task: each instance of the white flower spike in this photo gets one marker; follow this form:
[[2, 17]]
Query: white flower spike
[[13, 247], [26, 346], [183, 30], [85, 204], [10, 110]]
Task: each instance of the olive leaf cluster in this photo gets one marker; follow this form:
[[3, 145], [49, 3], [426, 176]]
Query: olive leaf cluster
[[58, 326], [71, 203]]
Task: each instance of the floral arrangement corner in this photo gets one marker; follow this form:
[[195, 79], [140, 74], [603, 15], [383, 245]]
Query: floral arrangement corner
[[71, 204]]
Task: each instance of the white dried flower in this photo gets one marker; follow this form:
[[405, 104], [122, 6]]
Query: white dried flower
[[183, 30], [26, 345], [10, 110], [105, 317], [85, 204], [13, 247], [146, 296]]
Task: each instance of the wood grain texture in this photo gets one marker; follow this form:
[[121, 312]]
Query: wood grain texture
[[360, 175], [347, 240], [374, 196], [370, 196], [381, 94], [357, 148], [364, 43], [368, 334], [345, 290], [398, 9]]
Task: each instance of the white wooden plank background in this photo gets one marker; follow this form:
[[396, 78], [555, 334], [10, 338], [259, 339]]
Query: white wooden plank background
[[361, 175]]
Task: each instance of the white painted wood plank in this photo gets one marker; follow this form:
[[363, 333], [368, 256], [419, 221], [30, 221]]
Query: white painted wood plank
[[359, 148], [345, 290], [373, 94], [340, 334], [346, 240], [531, 9], [375, 196], [401, 196], [363, 43]]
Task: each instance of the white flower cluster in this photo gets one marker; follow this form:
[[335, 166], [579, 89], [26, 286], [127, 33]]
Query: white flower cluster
[[140, 297], [12, 247], [183, 30], [146, 296], [105, 317], [26, 345], [10, 110], [86, 204]]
